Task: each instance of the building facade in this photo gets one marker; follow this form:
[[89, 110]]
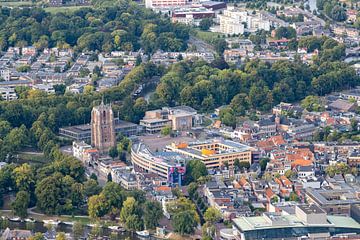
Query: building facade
[[102, 128], [167, 165]]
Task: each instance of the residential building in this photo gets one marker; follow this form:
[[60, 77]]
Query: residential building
[[238, 21], [44, 87], [354, 160], [8, 93]]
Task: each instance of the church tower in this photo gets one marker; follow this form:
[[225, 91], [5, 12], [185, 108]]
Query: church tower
[[102, 128]]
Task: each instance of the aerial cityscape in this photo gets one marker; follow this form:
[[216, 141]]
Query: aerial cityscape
[[179, 119]]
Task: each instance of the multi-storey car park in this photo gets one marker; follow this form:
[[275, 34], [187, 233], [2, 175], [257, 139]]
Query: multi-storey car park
[[168, 165], [214, 153]]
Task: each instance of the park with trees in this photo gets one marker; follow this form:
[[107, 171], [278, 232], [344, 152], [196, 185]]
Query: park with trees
[[107, 26]]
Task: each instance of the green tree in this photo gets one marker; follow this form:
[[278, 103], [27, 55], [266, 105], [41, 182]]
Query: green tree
[[97, 206], [239, 104], [109, 177], [77, 194], [227, 117], [78, 230], [338, 13], [184, 222], [23, 68], [212, 215], [263, 163], [5, 128], [205, 24], [192, 188], [60, 236], [285, 32], [293, 197], [21, 203], [37, 236], [113, 194], [152, 213], [91, 188], [166, 131], [290, 174], [113, 152], [194, 170], [312, 103], [220, 45], [130, 214], [24, 177]]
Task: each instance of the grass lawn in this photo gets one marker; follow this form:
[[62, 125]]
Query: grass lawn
[[16, 3], [84, 220], [207, 36], [36, 158], [54, 10]]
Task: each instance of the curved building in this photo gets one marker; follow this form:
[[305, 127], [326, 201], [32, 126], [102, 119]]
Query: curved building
[[168, 165]]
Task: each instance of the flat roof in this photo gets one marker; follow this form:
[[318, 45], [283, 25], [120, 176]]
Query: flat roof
[[234, 147], [87, 127], [154, 120], [291, 221], [309, 209], [170, 159]]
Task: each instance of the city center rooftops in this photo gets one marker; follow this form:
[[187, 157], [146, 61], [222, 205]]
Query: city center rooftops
[[310, 209]]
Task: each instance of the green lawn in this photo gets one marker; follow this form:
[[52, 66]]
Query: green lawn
[[207, 36], [54, 10], [16, 3], [37, 158], [84, 220]]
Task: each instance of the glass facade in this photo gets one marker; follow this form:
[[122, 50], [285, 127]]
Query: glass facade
[[287, 232]]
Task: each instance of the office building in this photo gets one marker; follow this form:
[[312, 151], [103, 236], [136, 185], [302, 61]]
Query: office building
[[83, 132], [308, 221], [181, 118], [333, 201], [164, 3]]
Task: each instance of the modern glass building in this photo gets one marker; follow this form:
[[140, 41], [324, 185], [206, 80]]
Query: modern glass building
[[305, 222]]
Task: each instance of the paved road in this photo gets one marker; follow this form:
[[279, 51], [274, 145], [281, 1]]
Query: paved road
[[201, 46]]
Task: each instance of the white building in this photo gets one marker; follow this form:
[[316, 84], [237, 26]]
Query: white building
[[191, 16], [238, 21], [8, 93], [44, 87], [79, 149], [164, 3]]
